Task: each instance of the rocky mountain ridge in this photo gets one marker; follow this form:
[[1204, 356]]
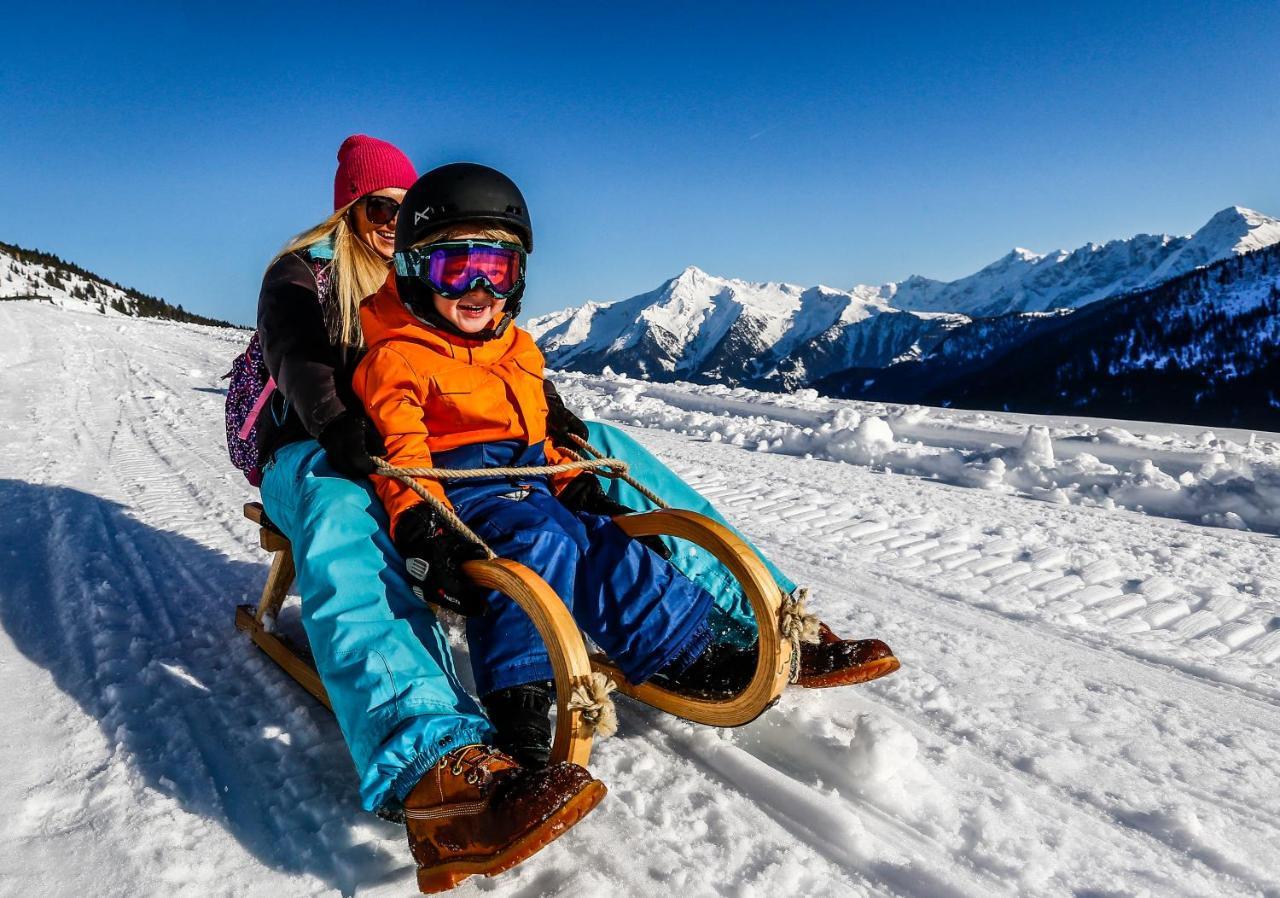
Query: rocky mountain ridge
[[707, 329]]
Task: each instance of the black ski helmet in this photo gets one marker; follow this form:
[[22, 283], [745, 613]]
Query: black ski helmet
[[459, 193], [462, 192]]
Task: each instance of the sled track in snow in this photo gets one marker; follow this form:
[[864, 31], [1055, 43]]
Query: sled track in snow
[[1044, 596], [199, 714], [1054, 662], [1196, 626]]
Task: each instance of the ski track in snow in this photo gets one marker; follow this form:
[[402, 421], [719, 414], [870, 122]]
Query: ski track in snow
[[1087, 706]]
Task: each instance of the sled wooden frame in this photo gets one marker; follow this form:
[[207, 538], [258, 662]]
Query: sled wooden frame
[[565, 646]]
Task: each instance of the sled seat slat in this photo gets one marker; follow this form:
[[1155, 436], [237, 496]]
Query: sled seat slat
[[570, 664], [269, 537]]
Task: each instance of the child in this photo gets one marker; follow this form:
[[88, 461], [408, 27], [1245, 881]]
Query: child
[[450, 381]]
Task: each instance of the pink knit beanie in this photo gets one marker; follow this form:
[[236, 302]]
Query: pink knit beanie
[[366, 164]]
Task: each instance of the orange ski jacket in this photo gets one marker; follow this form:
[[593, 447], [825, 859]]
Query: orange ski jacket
[[430, 391]]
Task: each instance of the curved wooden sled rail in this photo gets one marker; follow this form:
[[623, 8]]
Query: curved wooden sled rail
[[556, 626], [560, 635], [773, 665]]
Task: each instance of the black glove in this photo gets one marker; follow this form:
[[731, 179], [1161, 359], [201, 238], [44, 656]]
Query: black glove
[[433, 556], [350, 441], [560, 421], [584, 493]]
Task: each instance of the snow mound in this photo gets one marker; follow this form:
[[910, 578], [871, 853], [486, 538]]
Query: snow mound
[[1212, 481]]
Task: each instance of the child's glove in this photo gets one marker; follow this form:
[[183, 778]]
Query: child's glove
[[433, 557], [584, 493], [560, 421], [350, 440]]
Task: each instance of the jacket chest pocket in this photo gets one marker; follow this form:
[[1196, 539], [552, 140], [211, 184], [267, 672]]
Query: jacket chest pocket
[[526, 380], [469, 399]]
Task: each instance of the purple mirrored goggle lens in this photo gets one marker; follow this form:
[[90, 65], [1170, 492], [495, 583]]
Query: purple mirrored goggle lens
[[454, 268]]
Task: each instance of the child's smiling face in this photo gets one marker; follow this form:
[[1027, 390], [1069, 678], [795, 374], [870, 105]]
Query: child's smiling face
[[472, 311]]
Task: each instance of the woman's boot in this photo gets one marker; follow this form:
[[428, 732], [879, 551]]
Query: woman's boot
[[478, 812]]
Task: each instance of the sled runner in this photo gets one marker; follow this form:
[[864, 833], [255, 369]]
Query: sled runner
[[582, 682]]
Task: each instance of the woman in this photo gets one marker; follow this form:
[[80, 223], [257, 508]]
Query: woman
[[382, 656]]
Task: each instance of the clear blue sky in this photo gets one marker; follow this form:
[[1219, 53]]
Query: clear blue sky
[[175, 149]]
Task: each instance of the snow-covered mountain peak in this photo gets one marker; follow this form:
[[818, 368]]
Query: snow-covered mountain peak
[[1025, 281], [1231, 232], [692, 278], [1022, 254], [699, 325], [1243, 229]]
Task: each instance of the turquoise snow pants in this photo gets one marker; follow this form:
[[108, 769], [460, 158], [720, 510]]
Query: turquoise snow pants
[[381, 653], [731, 618]]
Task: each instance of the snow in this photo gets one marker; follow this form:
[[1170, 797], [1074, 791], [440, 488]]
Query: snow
[[64, 289], [1024, 281], [1211, 480], [1089, 702]]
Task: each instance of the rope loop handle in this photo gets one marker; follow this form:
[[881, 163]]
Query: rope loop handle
[[797, 624], [591, 698]]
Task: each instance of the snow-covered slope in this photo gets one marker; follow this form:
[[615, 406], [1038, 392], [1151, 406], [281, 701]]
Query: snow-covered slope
[[1089, 703], [38, 276], [710, 329]]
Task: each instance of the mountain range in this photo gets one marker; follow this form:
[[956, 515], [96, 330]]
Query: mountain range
[[899, 341]]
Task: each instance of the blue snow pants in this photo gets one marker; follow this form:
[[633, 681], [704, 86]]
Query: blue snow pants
[[641, 611], [382, 655], [731, 619]]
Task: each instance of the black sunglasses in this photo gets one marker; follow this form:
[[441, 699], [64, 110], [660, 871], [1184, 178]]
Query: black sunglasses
[[381, 210]]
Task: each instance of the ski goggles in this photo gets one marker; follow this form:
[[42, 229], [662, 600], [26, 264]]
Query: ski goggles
[[381, 210], [455, 267]]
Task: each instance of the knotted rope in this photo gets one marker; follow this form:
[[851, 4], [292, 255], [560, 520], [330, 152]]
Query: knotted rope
[[624, 474], [609, 467], [590, 697], [797, 625]]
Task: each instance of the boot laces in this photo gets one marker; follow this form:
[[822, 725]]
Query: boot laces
[[474, 761]]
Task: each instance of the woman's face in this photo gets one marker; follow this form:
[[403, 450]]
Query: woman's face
[[381, 238]]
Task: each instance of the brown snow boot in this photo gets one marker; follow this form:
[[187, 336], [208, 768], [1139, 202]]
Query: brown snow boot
[[833, 661], [479, 812]]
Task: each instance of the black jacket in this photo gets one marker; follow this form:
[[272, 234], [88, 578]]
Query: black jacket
[[312, 375]]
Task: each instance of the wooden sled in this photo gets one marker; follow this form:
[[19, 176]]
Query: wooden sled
[[773, 659], [559, 632]]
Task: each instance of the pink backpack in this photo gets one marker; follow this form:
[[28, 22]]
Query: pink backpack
[[248, 393], [252, 385]]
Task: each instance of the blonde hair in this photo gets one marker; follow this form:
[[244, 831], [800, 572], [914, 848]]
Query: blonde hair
[[464, 231], [357, 271]]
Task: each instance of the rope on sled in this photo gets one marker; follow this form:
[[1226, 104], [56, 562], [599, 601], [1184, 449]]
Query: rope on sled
[[624, 475], [590, 697], [794, 621], [797, 625], [609, 467]]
